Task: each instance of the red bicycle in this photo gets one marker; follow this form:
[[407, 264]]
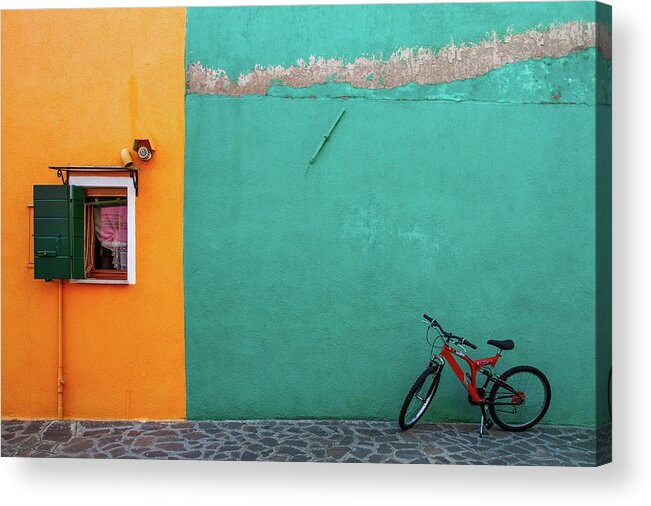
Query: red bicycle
[[518, 399]]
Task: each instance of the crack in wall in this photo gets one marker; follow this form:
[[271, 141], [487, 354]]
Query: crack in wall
[[422, 65]]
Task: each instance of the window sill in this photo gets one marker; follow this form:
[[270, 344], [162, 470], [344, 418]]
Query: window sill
[[103, 281]]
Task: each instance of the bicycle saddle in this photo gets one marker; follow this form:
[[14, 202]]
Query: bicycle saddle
[[506, 344]]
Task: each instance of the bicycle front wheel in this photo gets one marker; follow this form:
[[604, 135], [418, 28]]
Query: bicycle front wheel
[[419, 397], [520, 398]]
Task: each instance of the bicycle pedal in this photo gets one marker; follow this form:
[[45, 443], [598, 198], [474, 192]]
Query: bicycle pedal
[[488, 424]]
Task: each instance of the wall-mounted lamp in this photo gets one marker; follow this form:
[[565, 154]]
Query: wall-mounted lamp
[[145, 148], [127, 161]]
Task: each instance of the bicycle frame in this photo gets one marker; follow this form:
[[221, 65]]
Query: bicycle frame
[[448, 353]]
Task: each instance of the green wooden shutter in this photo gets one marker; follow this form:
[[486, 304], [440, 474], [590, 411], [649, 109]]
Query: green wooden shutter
[[58, 232], [77, 232]]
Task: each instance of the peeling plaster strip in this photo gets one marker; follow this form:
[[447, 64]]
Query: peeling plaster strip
[[421, 65]]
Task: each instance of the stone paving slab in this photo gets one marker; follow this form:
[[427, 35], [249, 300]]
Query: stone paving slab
[[306, 441]]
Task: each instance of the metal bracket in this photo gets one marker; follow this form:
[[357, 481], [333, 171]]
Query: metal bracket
[[64, 172], [64, 179]]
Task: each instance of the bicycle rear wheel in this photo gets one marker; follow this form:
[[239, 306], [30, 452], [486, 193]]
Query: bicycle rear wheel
[[419, 397], [523, 404]]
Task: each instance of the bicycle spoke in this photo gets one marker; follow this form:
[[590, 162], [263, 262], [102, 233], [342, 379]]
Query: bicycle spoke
[[526, 400], [420, 400]]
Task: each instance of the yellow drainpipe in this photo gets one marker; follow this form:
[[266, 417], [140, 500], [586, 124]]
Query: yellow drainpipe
[[60, 353]]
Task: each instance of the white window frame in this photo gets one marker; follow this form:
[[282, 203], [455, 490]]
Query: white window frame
[[115, 182]]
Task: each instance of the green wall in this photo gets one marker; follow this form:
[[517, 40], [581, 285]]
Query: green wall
[[237, 39], [474, 202]]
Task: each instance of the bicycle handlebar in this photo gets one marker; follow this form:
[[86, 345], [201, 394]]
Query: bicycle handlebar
[[462, 340]]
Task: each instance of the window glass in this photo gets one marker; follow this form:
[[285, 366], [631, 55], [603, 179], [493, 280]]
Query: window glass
[[106, 233]]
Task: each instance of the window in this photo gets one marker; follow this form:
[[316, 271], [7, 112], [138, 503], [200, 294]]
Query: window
[[105, 233], [109, 229]]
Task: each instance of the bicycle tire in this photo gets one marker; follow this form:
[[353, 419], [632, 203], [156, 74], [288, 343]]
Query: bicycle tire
[[514, 378], [406, 419]]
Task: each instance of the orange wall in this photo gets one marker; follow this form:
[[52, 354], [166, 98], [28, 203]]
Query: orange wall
[[78, 85]]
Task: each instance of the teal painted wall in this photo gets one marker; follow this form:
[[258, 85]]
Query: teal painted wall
[[304, 285], [237, 39]]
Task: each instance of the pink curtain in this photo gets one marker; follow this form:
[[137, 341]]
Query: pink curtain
[[111, 231]]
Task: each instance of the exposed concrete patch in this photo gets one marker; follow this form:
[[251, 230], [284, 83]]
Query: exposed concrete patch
[[422, 65]]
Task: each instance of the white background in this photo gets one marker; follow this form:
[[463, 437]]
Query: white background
[[626, 481]]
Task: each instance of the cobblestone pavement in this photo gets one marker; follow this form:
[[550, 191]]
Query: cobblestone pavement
[[306, 441]]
